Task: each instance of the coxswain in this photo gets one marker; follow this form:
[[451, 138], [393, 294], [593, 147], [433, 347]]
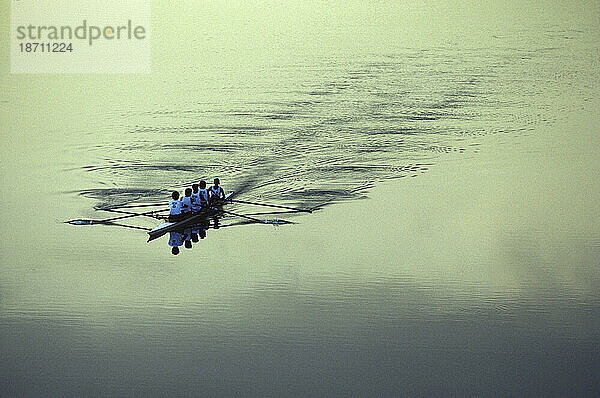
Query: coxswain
[[186, 202], [174, 207], [216, 192]]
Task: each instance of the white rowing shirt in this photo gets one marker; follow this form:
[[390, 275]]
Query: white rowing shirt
[[216, 191], [199, 199], [195, 201], [203, 195], [174, 207], [186, 204]]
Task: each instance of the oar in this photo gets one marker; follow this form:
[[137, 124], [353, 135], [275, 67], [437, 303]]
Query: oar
[[271, 222], [109, 220], [243, 216], [128, 226], [272, 212], [133, 214], [269, 205], [131, 206]]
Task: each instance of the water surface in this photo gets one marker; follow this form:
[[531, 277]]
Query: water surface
[[455, 247]]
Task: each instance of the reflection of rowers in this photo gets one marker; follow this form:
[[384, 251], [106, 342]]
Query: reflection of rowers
[[175, 240], [199, 231], [187, 237], [178, 239]]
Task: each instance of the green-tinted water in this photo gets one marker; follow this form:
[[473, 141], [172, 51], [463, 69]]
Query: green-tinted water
[[470, 269]]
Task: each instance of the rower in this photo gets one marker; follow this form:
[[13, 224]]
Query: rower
[[216, 192], [195, 199], [204, 194], [199, 196], [174, 207], [186, 202]]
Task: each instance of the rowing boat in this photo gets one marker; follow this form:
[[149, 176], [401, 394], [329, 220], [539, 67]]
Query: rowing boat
[[165, 227], [195, 219]]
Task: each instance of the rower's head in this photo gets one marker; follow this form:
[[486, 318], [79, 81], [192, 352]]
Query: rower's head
[[175, 250], [175, 195], [195, 188], [217, 182], [202, 184], [188, 192]]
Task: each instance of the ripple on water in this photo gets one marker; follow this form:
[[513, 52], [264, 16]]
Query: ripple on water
[[341, 126]]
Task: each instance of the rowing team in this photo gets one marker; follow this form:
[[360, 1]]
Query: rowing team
[[196, 198]]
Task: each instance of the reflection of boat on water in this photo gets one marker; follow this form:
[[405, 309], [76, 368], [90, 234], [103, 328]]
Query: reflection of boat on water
[[202, 215], [192, 234]]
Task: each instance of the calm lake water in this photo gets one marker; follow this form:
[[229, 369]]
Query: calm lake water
[[452, 155]]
